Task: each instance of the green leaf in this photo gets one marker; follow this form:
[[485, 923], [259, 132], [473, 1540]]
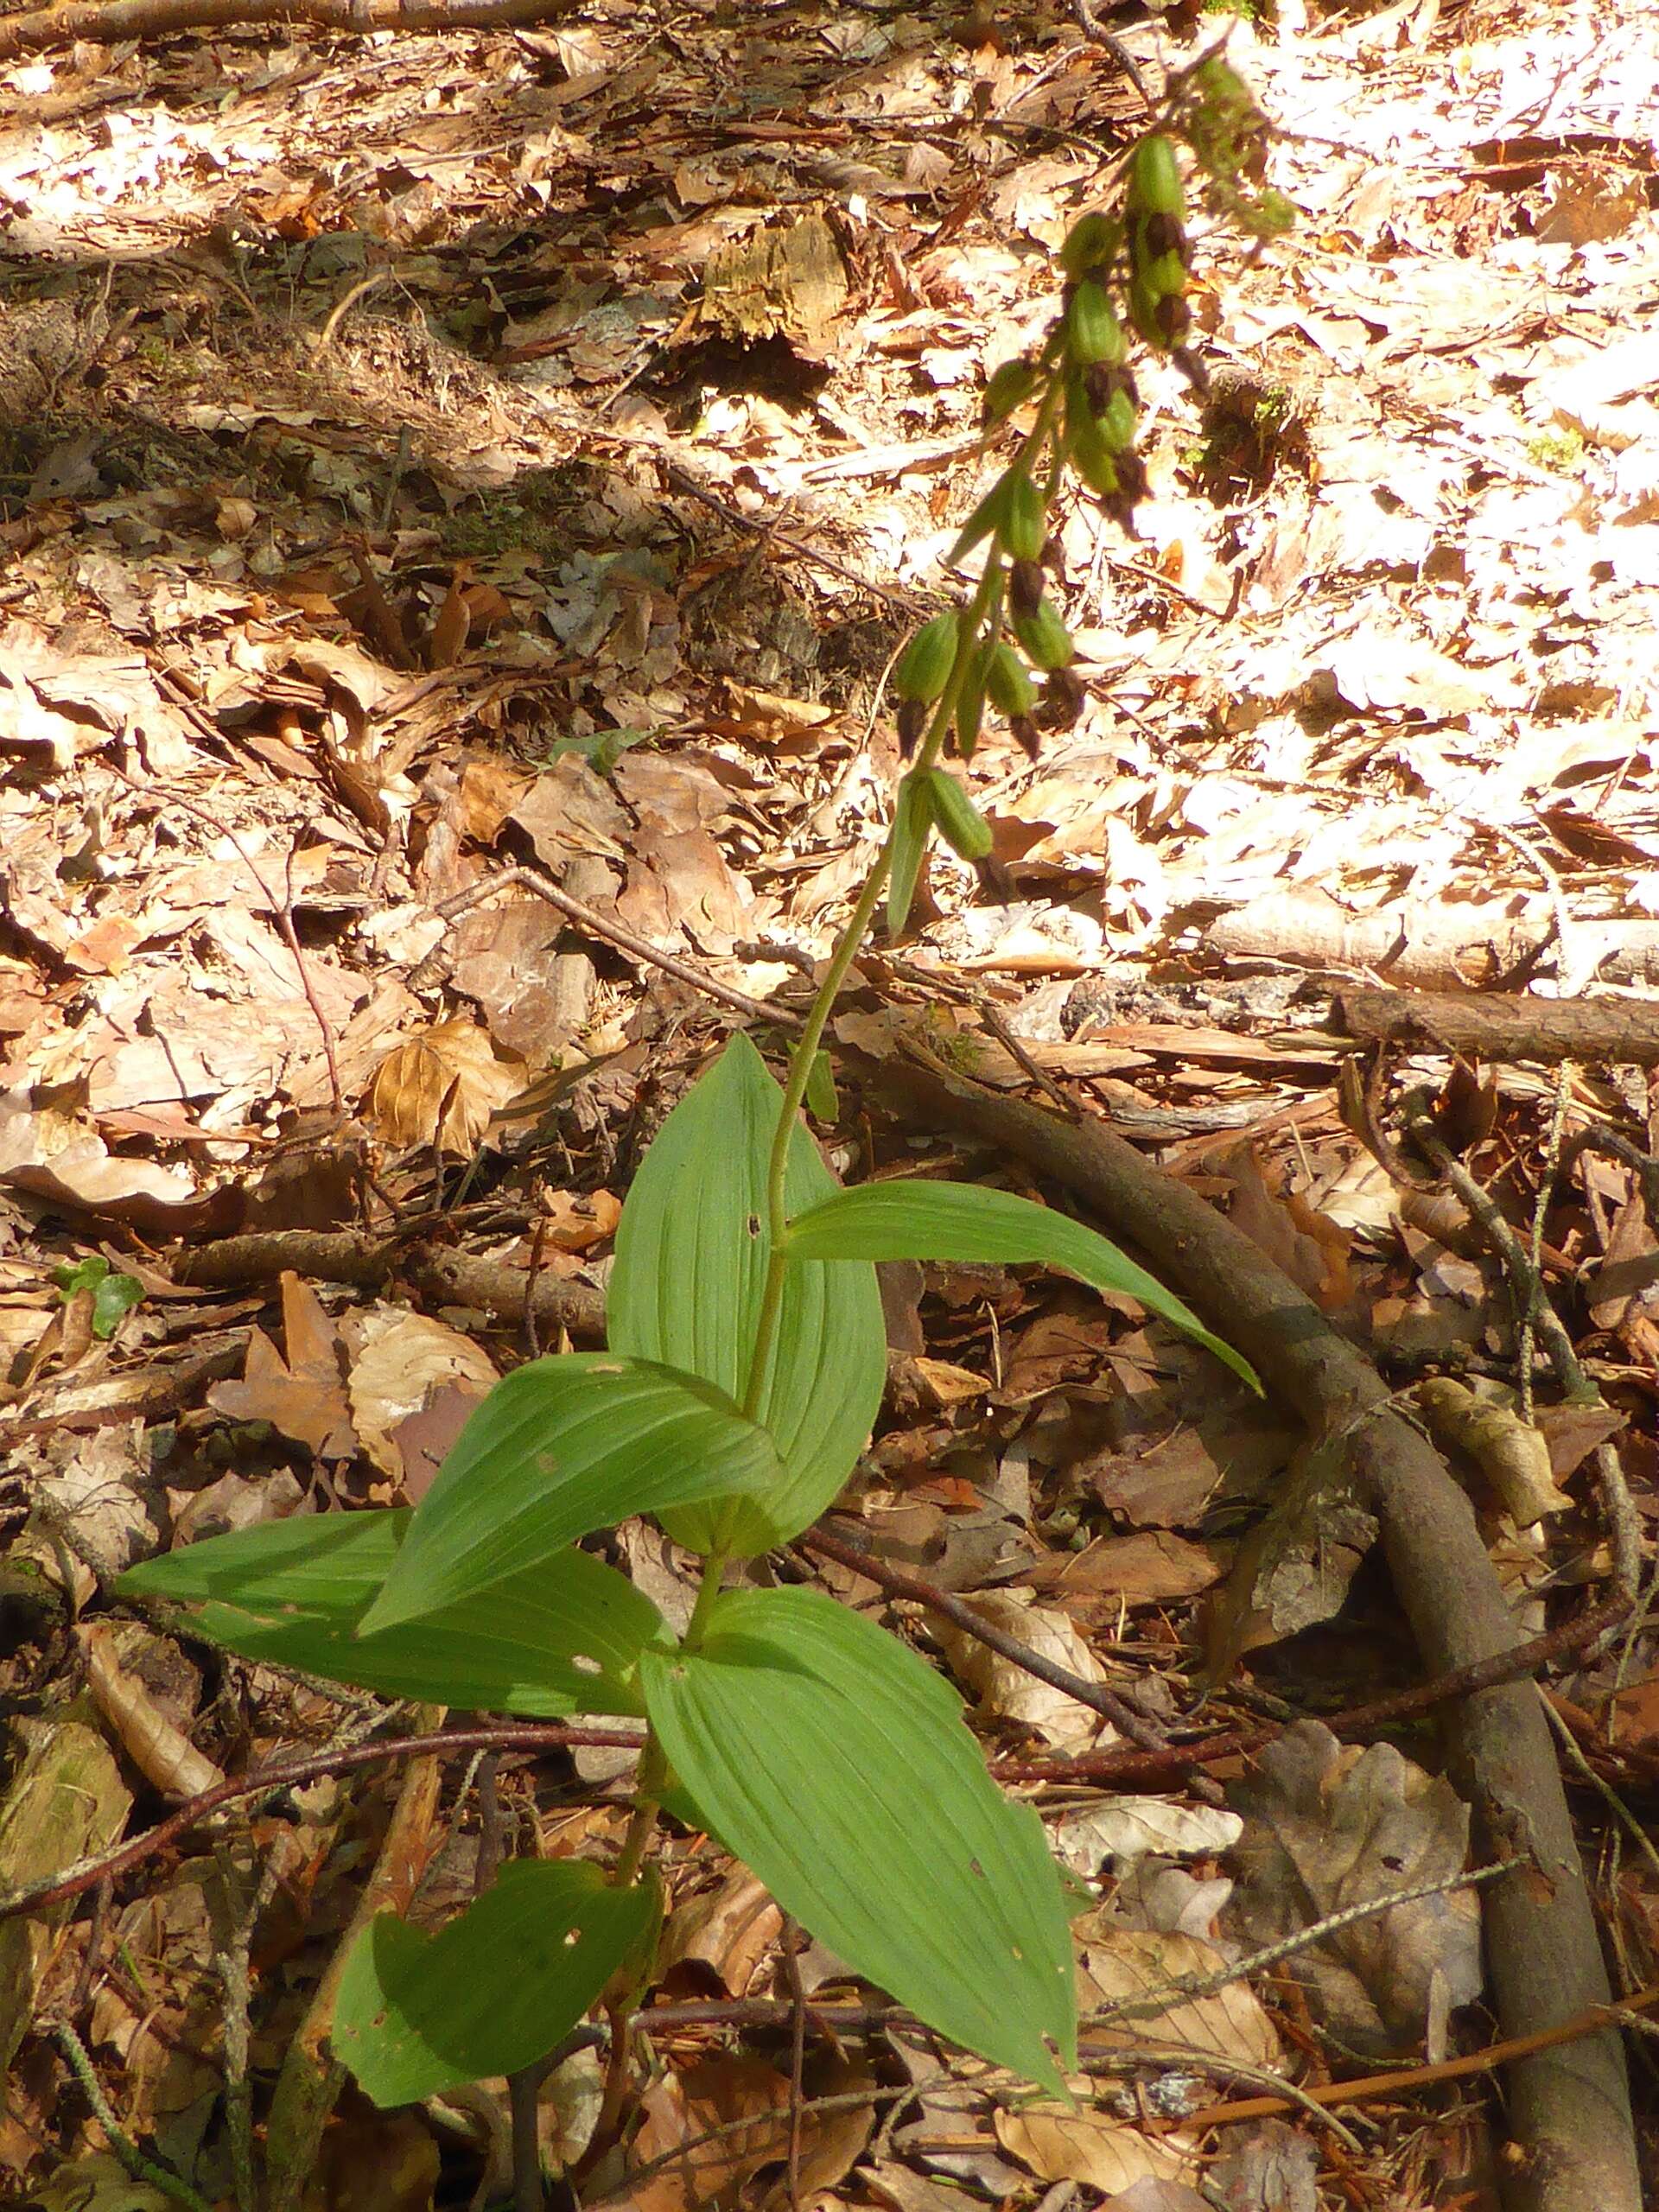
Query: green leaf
[[912, 1220], [561, 1448], [820, 1098], [114, 1296], [563, 1636], [685, 1287], [911, 822], [825, 1754], [492, 1991]]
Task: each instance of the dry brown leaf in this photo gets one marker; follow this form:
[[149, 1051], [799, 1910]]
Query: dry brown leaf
[[715, 2092], [1122, 1829], [577, 1220], [441, 1087], [1088, 2147], [1329, 1825], [1136, 1963], [1295, 1566], [1091, 1585], [403, 1363], [1007, 1691], [1313, 1251], [166, 1757], [1513, 1456], [303, 1396], [730, 1929]]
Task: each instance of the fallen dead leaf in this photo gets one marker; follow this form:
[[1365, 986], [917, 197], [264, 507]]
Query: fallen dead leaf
[[441, 1087], [1088, 2147], [1328, 1826], [1007, 1691]]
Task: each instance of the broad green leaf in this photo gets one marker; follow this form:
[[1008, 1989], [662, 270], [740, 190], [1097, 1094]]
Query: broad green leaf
[[685, 1288], [911, 1220], [825, 1754], [561, 1448], [563, 1636], [492, 1991], [912, 820]]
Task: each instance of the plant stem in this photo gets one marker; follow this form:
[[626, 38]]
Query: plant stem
[[649, 1785], [652, 1778], [800, 1067], [805, 1049]]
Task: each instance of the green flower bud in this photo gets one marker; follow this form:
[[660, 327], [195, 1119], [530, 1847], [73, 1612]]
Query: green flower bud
[[1023, 524], [962, 825], [1008, 684], [1093, 332], [1091, 243], [1089, 454], [924, 666], [1044, 637], [971, 703], [1115, 423], [1007, 388], [1155, 179]]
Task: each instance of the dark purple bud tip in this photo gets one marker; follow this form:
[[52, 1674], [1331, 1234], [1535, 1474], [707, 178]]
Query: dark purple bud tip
[[912, 721], [1062, 697], [1025, 583]]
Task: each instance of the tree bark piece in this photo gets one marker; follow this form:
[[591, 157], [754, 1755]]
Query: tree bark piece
[[1608, 1031], [54, 29], [1462, 943], [347, 1255], [1569, 2106]]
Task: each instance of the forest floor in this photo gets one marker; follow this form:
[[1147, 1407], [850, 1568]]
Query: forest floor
[[423, 458]]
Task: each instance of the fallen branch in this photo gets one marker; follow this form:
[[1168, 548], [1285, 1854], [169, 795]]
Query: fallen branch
[[1607, 1032], [53, 29], [1569, 2106], [347, 1255]]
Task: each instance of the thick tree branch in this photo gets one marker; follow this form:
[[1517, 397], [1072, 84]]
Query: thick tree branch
[[1569, 2106]]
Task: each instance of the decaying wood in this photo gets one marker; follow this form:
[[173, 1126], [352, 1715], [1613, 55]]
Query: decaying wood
[[54, 29], [1456, 945], [1607, 1032], [344, 1255], [1569, 2106]]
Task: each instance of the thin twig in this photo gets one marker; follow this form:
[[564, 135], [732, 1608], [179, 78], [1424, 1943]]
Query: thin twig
[[1524, 1283], [140, 2167], [962, 1615], [1588, 2022], [1209, 2061], [791, 1940], [613, 932], [289, 1774], [231, 1961], [1188, 1986]]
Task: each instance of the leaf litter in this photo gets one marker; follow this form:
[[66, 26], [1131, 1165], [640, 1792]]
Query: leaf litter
[[580, 541]]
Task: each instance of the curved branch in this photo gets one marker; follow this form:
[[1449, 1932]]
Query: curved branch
[[1569, 2105]]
